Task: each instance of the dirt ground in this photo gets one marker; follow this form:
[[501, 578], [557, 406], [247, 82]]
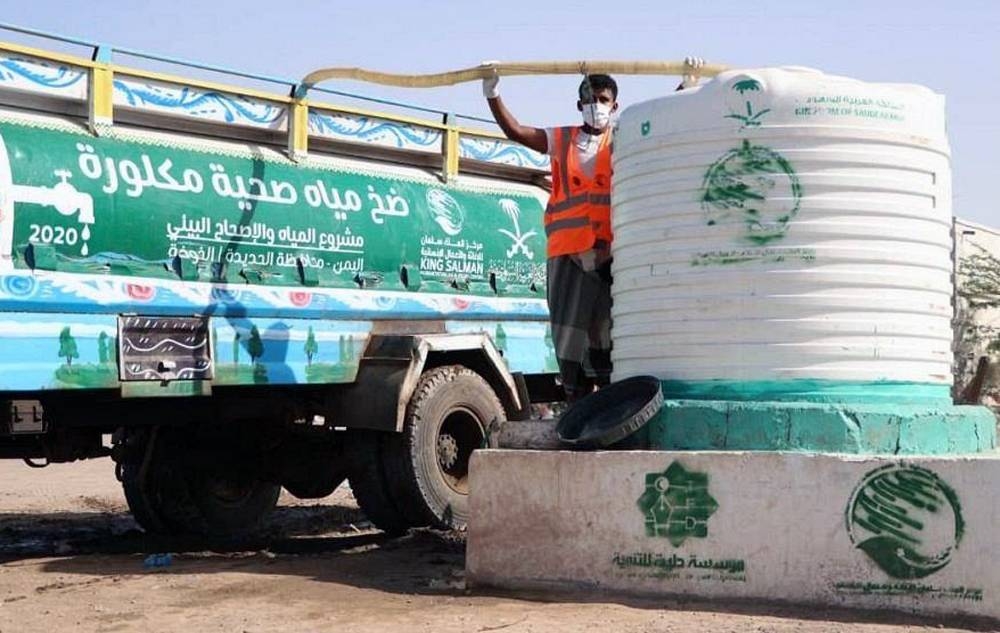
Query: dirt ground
[[71, 559]]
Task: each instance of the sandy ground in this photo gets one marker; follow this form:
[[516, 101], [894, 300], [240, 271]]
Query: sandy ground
[[71, 559]]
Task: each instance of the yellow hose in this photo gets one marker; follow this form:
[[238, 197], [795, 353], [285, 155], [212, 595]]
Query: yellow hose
[[433, 80]]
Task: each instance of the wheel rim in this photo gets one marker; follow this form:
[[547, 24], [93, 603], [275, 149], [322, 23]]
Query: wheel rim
[[228, 490], [459, 435]]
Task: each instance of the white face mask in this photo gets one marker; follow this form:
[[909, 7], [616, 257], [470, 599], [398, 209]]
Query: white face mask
[[597, 115]]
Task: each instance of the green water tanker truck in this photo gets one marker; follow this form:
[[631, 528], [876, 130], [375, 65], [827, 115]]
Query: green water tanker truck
[[230, 292]]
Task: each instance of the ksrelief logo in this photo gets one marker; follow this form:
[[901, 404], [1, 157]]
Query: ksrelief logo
[[446, 211], [906, 519], [676, 504]]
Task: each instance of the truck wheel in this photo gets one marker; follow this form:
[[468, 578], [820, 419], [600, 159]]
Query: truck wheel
[[427, 465], [139, 502], [368, 483], [141, 491], [178, 492], [226, 504]]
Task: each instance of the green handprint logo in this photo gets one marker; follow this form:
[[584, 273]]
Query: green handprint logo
[[906, 519]]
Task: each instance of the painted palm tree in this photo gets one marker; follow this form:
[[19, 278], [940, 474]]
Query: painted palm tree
[[513, 211], [751, 118], [747, 85]]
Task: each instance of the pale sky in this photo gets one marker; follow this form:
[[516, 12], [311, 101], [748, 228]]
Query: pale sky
[[952, 47]]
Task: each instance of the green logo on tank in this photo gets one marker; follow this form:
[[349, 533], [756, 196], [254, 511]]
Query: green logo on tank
[[753, 185], [906, 519], [744, 104], [676, 504]]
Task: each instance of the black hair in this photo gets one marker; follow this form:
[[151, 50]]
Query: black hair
[[595, 83]]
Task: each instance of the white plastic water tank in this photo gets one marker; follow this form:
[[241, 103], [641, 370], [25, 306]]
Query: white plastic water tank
[[782, 227]]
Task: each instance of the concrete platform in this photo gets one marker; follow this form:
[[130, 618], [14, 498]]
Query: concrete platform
[[915, 534], [822, 427]]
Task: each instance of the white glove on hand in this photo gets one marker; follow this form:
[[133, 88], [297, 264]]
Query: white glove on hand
[[692, 71], [491, 84]]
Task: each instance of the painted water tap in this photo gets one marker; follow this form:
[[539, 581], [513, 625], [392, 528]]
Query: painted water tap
[[62, 196]]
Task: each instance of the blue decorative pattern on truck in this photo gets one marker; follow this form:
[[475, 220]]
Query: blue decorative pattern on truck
[[40, 73], [376, 131], [57, 292], [18, 286], [503, 152], [203, 104]]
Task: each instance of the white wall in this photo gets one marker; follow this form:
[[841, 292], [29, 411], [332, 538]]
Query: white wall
[[864, 532], [971, 238]]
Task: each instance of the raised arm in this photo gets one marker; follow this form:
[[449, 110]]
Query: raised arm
[[693, 74], [531, 137]]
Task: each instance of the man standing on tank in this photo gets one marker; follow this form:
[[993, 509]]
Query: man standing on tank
[[578, 225]]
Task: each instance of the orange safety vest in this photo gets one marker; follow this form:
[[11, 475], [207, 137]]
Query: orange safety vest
[[579, 211]]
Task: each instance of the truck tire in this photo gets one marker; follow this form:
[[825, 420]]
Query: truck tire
[[368, 482], [224, 506], [137, 486], [427, 465], [139, 502], [181, 495]]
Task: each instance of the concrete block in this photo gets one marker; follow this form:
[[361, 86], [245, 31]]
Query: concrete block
[[690, 428], [861, 428], [927, 429], [825, 428], [915, 534], [750, 425], [529, 434], [880, 432]]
